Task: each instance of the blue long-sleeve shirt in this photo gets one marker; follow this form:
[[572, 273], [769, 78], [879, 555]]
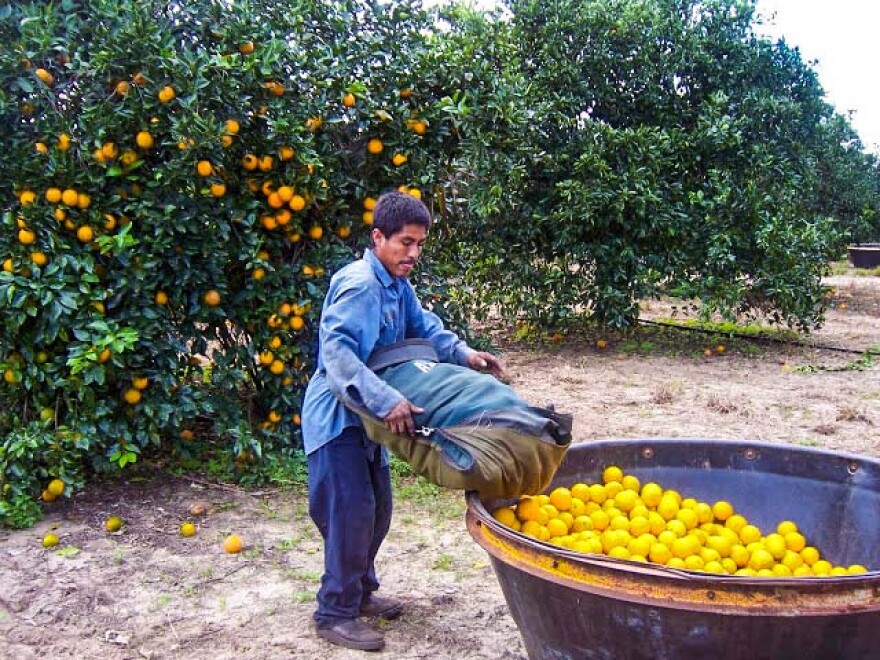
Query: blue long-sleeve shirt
[[365, 308]]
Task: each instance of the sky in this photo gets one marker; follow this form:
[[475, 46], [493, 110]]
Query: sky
[[842, 36]]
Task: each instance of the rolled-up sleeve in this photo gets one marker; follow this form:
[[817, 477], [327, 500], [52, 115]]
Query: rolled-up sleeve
[[349, 331]]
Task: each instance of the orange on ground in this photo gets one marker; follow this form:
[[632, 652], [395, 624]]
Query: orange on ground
[[232, 544]]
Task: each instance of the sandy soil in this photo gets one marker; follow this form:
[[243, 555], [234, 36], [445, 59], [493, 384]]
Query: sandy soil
[[145, 592]]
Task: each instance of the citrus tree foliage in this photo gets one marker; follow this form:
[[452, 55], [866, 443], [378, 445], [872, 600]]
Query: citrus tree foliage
[[179, 180], [667, 149]]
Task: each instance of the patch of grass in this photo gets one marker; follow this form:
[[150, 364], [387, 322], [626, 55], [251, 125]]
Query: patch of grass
[[162, 600], [302, 576], [409, 486], [751, 331], [286, 545], [444, 563], [301, 597], [271, 513], [862, 363], [636, 346], [843, 268]]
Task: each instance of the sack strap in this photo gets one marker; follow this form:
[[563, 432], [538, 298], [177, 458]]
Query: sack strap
[[402, 351]]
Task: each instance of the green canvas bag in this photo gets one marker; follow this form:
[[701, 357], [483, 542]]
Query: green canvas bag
[[476, 433]]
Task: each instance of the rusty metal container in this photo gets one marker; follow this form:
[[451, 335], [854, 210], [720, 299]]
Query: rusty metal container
[[577, 606]]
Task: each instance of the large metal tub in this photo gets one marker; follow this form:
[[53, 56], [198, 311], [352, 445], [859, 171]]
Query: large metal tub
[[579, 606]]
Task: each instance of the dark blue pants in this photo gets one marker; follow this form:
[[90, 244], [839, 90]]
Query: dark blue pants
[[350, 502]]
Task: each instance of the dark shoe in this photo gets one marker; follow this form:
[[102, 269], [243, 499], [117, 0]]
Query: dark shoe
[[385, 608], [352, 634]]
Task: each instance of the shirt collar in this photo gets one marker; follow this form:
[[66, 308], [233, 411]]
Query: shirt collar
[[381, 272]]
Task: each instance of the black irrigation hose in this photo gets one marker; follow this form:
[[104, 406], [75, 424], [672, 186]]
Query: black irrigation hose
[[739, 335]]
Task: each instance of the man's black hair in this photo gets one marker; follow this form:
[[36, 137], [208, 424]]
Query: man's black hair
[[394, 210]]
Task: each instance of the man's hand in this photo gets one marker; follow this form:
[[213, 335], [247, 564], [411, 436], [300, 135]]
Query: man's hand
[[482, 361], [399, 421]]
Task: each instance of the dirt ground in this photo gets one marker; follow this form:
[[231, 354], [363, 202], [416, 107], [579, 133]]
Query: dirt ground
[[145, 592]]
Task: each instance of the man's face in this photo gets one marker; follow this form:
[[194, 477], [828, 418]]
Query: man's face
[[400, 252]]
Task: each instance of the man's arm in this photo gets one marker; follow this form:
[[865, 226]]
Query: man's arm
[[448, 345], [349, 331]]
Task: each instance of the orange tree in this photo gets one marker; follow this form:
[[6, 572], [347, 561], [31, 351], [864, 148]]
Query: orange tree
[[668, 148], [179, 181]]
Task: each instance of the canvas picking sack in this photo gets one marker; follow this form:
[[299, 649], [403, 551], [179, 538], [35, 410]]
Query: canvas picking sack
[[476, 433]]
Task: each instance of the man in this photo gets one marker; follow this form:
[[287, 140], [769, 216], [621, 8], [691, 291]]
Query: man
[[370, 304]]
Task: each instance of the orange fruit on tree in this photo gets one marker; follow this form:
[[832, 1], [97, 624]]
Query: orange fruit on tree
[[45, 76], [375, 146], [314, 123], [218, 190], [140, 382], [39, 258], [161, 298], [83, 201], [399, 159], [275, 87], [167, 94], [297, 323], [297, 203], [286, 153], [277, 367], [53, 195], [46, 496], [63, 143], [232, 544], [250, 162], [204, 168], [70, 197], [104, 356], [316, 232], [129, 157], [246, 48], [122, 87], [266, 163], [285, 193], [41, 148], [232, 126], [85, 234], [109, 150], [26, 236], [274, 200], [349, 100], [188, 435], [132, 396], [212, 298], [56, 487], [144, 140]]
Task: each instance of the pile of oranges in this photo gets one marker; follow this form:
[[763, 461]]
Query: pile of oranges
[[625, 519]]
